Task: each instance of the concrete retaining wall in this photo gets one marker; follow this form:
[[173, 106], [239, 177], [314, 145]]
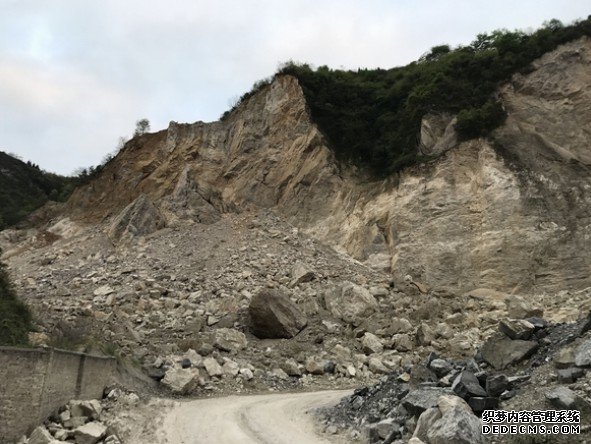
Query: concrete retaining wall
[[35, 382]]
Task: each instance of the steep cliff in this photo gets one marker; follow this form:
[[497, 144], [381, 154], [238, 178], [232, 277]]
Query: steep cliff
[[510, 212]]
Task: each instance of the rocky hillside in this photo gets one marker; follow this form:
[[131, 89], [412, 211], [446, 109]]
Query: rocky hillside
[[241, 255], [509, 212]]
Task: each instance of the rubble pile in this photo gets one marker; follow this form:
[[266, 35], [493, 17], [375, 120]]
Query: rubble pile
[[414, 405]]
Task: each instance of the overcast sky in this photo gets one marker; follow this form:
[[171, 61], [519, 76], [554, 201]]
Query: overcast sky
[[75, 75]]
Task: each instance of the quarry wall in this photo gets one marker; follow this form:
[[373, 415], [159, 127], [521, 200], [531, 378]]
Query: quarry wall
[[35, 382]]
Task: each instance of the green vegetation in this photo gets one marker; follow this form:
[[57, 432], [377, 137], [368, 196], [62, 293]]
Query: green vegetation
[[15, 317], [24, 187], [142, 126], [372, 117]]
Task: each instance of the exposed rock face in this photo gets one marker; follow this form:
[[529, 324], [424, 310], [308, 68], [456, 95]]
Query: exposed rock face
[[437, 134], [509, 213], [273, 315], [139, 218]]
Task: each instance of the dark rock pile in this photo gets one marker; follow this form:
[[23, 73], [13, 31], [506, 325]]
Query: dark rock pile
[[414, 403]]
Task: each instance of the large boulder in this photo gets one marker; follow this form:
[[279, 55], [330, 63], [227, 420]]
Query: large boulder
[[181, 381], [372, 344], [90, 409], [228, 339], [90, 433], [466, 385], [350, 302], [517, 328], [583, 354], [456, 426], [301, 273], [421, 399], [274, 315], [41, 436], [562, 398], [503, 352], [519, 308]]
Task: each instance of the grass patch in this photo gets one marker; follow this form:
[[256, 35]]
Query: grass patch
[[15, 316]]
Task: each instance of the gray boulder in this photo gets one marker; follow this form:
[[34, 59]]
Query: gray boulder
[[41, 436], [90, 409], [90, 433], [519, 308], [466, 385], [562, 398], [425, 422], [350, 302], [419, 400], [503, 352], [456, 426], [301, 273], [229, 340], [181, 381], [372, 344], [273, 315], [517, 328], [583, 354], [212, 367]]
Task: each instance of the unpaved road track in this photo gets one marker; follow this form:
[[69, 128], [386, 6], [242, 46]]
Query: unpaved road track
[[269, 419]]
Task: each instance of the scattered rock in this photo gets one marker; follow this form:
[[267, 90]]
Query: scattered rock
[[517, 328], [564, 358], [402, 342], [569, 375], [229, 339], [562, 398], [583, 354], [375, 365], [440, 367], [105, 290], [425, 422], [246, 373], [181, 381], [496, 385], [350, 302], [315, 366], [91, 409], [212, 367], [503, 352], [90, 433], [372, 344], [480, 403], [230, 368], [424, 335], [419, 400], [291, 367], [519, 308], [449, 402], [399, 325], [466, 385], [41, 436], [456, 426], [301, 273]]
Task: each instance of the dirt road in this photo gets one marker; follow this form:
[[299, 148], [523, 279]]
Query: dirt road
[[273, 419]]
